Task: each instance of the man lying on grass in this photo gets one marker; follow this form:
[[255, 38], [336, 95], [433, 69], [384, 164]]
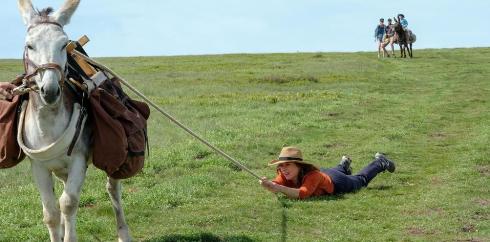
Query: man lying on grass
[[297, 178]]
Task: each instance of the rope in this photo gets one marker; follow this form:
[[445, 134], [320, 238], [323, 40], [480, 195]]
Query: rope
[[219, 151]]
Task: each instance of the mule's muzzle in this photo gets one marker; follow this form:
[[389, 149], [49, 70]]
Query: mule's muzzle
[[50, 94]]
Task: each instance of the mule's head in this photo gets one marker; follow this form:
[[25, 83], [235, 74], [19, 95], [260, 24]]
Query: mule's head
[[45, 47], [397, 26]]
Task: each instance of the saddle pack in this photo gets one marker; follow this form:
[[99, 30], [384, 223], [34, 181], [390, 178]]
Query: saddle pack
[[10, 152], [119, 130]]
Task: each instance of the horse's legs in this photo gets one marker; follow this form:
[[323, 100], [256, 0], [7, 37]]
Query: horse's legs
[[411, 51], [51, 211], [114, 190], [392, 47], [71, 196]]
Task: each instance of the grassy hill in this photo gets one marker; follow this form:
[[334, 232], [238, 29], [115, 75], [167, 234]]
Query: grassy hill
[[430, 114]]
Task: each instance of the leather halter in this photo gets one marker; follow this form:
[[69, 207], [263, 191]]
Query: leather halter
[[43, 67]]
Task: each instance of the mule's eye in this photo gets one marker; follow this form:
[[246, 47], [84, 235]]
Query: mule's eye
[[64, 46], [30, 47]]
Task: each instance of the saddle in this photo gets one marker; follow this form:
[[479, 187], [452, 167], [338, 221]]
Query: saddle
[[410, 36]]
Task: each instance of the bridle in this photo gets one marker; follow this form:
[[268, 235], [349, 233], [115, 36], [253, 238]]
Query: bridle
[[39, 69]]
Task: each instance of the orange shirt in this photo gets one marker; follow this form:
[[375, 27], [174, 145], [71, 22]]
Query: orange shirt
[[315, 183]]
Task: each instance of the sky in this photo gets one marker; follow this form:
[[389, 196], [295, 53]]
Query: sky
[[195, 27]]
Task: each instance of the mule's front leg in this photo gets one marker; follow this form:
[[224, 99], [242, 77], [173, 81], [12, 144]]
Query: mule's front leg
[[114, 189], [51, 212], [71, 196]]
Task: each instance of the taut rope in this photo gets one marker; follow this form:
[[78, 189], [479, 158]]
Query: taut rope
[[219, 151]]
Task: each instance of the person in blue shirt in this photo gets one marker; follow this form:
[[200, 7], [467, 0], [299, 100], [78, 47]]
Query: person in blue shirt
[[379, 32], [404, 24], [403, 21]]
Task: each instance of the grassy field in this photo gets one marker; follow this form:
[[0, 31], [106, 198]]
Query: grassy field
[[430, 114]]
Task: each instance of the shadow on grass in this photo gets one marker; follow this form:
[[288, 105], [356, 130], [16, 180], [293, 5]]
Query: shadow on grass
[[202, 237], [284, 217], [286, 203]]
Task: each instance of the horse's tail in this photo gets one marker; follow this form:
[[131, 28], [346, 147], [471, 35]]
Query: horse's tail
[[413, 38]]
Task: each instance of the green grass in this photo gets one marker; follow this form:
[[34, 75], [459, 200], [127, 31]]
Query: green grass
[[430, 114]]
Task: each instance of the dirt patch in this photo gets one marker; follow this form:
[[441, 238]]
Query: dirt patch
[[483, 202], [470, 240], [415, 231], [483, 170], [424, 212], [438, 135], [435, 180], [333, 145], [468, 228], [481, 216], [418, 231], [321, 153], [132, 189], [332, 114], [201, 155], [438, 211]]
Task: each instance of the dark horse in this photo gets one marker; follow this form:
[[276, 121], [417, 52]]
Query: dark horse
[[405, 39]]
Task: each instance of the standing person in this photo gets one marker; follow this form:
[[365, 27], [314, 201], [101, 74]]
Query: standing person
[[297, 178], [389, 38], [5, 89], [379, 32]]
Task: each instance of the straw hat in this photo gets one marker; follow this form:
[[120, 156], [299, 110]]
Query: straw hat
[[290, 154]]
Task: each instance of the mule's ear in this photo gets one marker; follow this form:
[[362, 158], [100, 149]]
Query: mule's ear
[[63, 15], [26, 11]]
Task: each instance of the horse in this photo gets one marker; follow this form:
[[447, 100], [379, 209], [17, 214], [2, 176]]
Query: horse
[[46, 124], [405, 39]]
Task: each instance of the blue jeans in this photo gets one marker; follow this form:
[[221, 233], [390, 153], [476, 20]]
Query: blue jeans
[[344, 183]]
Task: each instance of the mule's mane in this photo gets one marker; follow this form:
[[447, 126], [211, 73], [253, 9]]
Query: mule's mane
[[44, 13]]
